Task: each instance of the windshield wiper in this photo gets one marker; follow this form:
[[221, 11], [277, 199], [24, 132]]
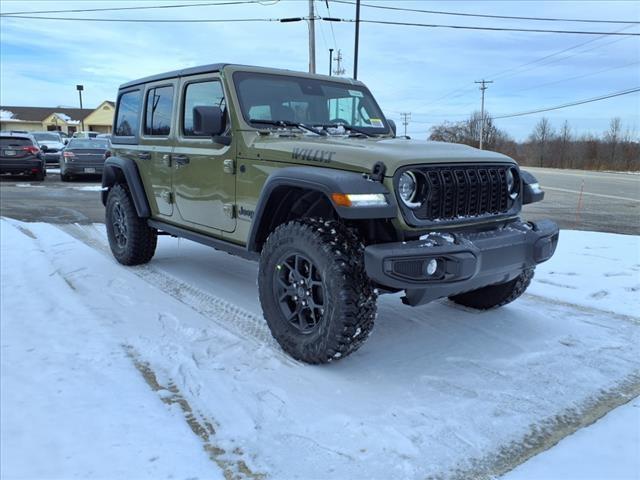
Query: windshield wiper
[[288, 123], [346, 127]]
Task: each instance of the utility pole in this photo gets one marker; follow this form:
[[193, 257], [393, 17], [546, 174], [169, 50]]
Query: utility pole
[[355, 55], [80, 88], [406, 116], [312, 38], [483, 87], [330, 60], [339, 69]]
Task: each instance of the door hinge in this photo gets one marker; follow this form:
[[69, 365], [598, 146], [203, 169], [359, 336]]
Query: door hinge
[[229, 210], [229, 166], [167, 197]]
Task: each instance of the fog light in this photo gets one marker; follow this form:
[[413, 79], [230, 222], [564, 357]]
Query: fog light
[[432, 266]]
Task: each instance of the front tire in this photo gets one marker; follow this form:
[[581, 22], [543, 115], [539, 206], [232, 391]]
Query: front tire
[[495, 296], [315, 295], [131, 240]]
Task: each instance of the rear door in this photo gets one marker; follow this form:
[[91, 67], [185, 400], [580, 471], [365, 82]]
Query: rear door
[[203, 171], [156, 142]]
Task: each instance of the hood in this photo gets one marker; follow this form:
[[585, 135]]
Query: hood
[[360, 154]]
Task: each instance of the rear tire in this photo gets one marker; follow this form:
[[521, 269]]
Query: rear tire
[[495, 296], [39, 177], [131, 240], [316, 297], [65, 177]]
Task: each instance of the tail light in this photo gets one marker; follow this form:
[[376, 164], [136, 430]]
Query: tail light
[[33, 150], [107, 154], [69, 155]]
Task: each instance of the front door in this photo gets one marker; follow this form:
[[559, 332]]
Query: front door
[[203, 175], [156, 144]]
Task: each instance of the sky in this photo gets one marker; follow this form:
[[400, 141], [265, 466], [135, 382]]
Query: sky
[[429, 72]]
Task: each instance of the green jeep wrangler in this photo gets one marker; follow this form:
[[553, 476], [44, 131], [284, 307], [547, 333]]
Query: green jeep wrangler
[[304, 174]]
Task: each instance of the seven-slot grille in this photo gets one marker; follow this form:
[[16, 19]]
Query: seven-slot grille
[[462, 191]]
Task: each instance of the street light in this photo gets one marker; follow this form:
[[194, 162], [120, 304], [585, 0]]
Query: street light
[[80, 88]]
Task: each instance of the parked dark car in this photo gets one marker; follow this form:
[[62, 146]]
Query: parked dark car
[[51, 144], [84, 156], [20, 155]]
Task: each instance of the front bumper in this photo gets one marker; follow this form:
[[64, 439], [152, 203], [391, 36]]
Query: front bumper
[[465, 261]]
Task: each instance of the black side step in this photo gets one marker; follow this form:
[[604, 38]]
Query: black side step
[[216, 243]]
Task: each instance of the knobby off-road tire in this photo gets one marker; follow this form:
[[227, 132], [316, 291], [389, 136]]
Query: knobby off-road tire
[[495, 296], [329, 259], [131, 240]]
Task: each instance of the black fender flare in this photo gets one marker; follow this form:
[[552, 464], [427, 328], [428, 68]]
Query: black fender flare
[[326, 181], [119, 169]]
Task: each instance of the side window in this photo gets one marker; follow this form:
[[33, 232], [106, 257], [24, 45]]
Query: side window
[[128, 114], [157, 118], [208, 94]]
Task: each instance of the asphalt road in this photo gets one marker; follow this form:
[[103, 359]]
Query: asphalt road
[[584, 200], [610, 202]]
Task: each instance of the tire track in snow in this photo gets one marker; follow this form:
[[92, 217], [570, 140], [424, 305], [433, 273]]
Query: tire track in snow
[[548, 432], [231, 463], [225, 314]]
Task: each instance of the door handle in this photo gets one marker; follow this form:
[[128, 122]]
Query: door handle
[[180, 159], [144, 156]]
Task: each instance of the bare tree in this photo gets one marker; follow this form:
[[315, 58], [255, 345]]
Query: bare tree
[[540, 137], [612, 138]]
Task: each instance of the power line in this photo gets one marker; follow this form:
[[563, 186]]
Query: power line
[[572, 104], [579, 76], [114, 9], [501, 74], [144, 20], [479, 15], [492, 29]]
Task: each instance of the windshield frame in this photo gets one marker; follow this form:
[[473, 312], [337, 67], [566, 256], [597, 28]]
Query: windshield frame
[[347, 85]]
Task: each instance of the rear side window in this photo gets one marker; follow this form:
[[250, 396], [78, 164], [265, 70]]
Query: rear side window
[[15, 142], [208, 94], [128, 114], [157, 119]]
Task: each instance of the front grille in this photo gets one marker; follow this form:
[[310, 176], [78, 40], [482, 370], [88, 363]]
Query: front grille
[[459, 191]]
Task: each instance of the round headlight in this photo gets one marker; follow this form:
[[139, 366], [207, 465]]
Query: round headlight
[[513, 186], [407, 188]]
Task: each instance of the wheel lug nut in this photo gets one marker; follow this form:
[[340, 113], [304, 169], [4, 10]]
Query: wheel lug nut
[[295, 297]]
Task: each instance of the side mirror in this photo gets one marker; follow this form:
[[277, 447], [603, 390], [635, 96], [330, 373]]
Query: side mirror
[[65, 141], [44, 148], [208, 121], [392, 124]]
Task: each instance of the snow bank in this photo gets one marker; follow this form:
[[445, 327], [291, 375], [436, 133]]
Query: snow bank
[[436, 391], [608, 449], [72, 405]]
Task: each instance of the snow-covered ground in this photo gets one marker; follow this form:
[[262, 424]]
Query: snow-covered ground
[[169, 370]]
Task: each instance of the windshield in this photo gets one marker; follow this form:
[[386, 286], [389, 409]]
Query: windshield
[[307, 100], [88, 144], [47, 137]]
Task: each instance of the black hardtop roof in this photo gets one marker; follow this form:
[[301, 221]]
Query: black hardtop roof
[[216, 67]]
